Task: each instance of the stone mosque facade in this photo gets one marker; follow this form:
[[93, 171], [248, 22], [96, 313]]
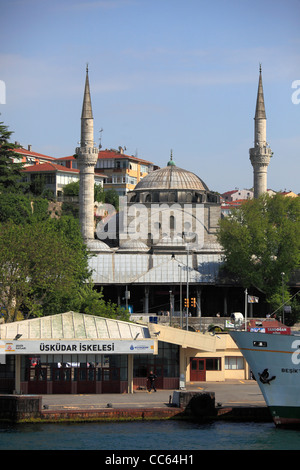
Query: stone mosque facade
[[161, 247]]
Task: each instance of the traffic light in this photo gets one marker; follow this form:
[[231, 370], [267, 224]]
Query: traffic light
[[193, 302], [186, 302]]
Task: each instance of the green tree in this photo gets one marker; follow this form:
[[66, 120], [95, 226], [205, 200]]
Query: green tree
[[92, 302], [261, 240], [15, 207], [22, 209], [37, 185], [10, 171], [99, 193], [44, 270], [112, 197], [41, 266], [71, 189]]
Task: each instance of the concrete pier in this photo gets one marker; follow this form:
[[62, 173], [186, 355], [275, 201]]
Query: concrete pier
[[235, 401], [17, 408]]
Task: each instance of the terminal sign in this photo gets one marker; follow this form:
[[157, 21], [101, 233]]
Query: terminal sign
[[79, 347]]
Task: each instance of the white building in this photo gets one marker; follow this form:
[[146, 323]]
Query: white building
[[55, 176]]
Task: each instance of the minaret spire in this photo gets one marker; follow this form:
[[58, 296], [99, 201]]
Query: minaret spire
[[260, 112], [87, 120], [87, 155], [87, 112], [261, 153]]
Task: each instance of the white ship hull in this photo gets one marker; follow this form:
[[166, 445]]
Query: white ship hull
[[275, 362]]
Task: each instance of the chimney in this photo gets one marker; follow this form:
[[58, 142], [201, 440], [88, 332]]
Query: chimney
[[29, 148]]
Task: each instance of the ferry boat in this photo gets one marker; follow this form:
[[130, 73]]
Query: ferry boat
[[272, 351]]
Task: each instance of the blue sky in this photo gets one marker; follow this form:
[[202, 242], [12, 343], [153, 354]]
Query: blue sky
[[164, 74]]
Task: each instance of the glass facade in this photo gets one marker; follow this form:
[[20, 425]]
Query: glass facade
[[164, 364], [49, 365], [7, 375], [96, 367]]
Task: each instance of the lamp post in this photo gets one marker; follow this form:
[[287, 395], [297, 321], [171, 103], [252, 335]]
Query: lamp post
[[246, 308], [187, 285], [179, 266], [282, 283], [171, 306]]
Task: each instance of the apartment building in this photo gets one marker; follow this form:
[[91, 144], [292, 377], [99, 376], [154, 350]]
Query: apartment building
[[114, 169], [121, 172], [28, 157], [55, 176]]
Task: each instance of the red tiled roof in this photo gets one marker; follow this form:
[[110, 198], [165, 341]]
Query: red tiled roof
[[32, 154], [71, 157], [230, 192], [106, 154], [232, 204], [115, 154], [48, 167], [236, 202]]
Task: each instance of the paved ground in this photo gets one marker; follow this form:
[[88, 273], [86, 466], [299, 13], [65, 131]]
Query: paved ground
[[229, 393]]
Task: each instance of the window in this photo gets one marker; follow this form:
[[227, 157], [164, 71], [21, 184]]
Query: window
[[131, 180], [166, 363], [7, 371], [144, 169], [234, 363], [213, 363]]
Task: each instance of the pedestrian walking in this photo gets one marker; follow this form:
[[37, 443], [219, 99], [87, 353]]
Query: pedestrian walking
[[151, 379]]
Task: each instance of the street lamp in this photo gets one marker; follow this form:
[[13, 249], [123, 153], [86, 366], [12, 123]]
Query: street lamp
[[187, 285], [179, 266], [282, 279], [171, 306]]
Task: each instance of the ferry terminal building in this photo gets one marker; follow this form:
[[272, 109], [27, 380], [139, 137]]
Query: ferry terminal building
[[77, 353]]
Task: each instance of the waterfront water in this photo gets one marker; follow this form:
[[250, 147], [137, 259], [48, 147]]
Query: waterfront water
[[148, 435]]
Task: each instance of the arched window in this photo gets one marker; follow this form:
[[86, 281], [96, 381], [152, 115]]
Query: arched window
[[172, 197]]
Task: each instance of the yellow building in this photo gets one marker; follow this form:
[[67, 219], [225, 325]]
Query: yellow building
[[204, 357], [289, 194], [122, 172]]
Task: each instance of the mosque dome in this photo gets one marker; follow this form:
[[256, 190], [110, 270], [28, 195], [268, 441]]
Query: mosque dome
[[171, 177], [172, 184]]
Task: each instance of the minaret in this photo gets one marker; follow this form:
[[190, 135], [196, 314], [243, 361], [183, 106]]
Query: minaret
[[87, 155], [261, 153]]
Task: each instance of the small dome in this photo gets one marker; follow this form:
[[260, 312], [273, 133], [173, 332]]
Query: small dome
[[167, 240], [133, 245], [97, 245]]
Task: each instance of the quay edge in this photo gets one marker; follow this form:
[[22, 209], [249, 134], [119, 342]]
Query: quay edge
[[28, 409]]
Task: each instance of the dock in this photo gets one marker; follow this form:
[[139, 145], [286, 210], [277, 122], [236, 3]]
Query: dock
[[230, 400]]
